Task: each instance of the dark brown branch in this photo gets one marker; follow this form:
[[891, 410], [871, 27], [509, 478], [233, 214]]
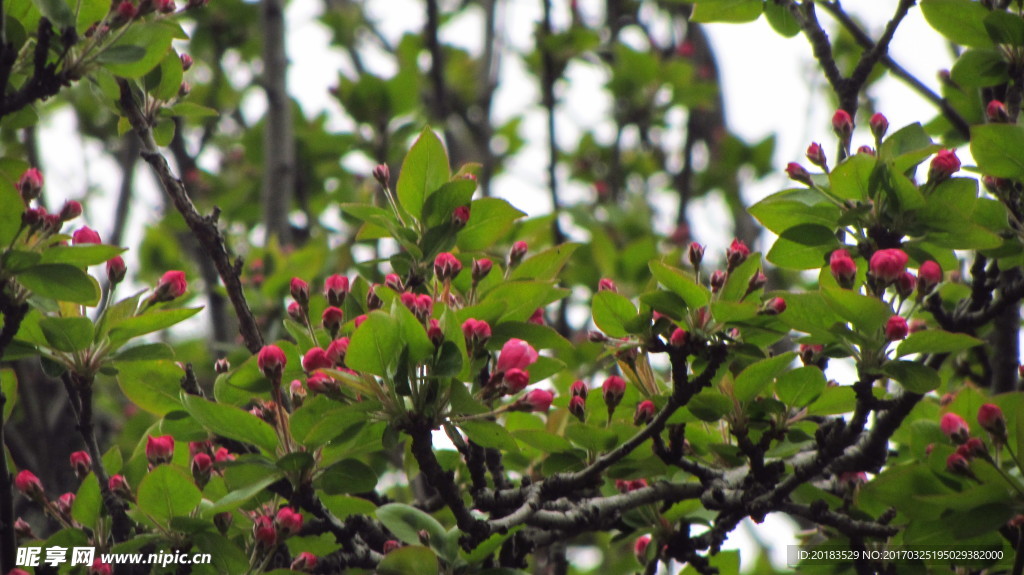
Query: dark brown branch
[[13, 314], [204, 227], [549, 76], [845, 524]]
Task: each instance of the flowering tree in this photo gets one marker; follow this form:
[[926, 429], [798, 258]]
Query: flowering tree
[[405, 381]]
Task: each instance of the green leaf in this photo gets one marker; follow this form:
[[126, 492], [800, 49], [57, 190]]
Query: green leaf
[[170, 73], [850, 179], [406, 522], [489, 434], [424, 170], [163, 132], [11, 208], [519, 299], [57, 11], [999, 149], [739, 278], [155, 386], [612, 312], [1005, 28], [320, 420], [413, 335], [375, 346], [803, 247], [980, 68], [167, 492], [153, 37], [409, 560], [9, 388], [790, 208], [343, 505], [760, 375], [544, 265], [231, 422], [152, 320], [145, 352], [868, 314], [61, 282], [438, 208], [936, 341], [238, 497], [86, 508], [681, 284], [542, 440], [67, 334], [781, 19], [709, 406], [491, 219], [81, 255], [122, 54], [962, 21], [912, 376], [736, 11], [189, 110], [800, 387], [347, 477]]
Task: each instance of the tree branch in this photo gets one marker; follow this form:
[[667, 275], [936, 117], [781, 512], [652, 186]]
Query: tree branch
[[278, 139], [205, 228]]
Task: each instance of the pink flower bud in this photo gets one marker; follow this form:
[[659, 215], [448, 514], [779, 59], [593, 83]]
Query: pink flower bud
[[320, 383], [974, 447], [943, 165], [928, 276], [679, 337], [537, 400], [299, 290], [264, 532], [98, 567], [774, 306], [843, 268], [955, 427], [81, 463], [194, 447], [737, 253], [695, 253], [896, 328], [202, 466], [70, 211], [424, 307], [288, 521], [171, 286], [223, 455], [718, 280], [905, 285], [515, 255], [481, 268], [64, 503], [373, 300], [516, 354], [757, 282], [886, 266], [295, 312], [644, 412], [879, 125], [85, 235], [271, 361], [304, 562], [28, 484], [606, 285], [118, 485], [578, 407], [579, 389], [116, 270], [798, 173], [390, 545], [332, 318], [991, 419], [867, 151], [853, 478], [336, 288], [30, 184], [957, 463], [640, 548], [842, 123], [537, 317], [22, 530], [460, 216], [394, 281], [996, 112], [382, 174], [159, 449], [186, 62], [446, 266], [337, 350], [359, 321], [316, 358], [33, 217], [477, 333], [613, 388], [816, 155], [516, 380]]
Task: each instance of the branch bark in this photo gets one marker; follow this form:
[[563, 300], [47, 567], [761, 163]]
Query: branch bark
[[278, 138]]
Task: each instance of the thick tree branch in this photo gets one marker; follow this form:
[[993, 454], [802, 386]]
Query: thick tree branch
[[278, 139], [205, 228], [13, 313]]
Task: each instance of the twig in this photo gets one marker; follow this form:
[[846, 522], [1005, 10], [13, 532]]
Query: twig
[[205, 228]]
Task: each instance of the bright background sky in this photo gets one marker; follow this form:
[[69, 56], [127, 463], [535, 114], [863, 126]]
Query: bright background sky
[[771, 86]]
